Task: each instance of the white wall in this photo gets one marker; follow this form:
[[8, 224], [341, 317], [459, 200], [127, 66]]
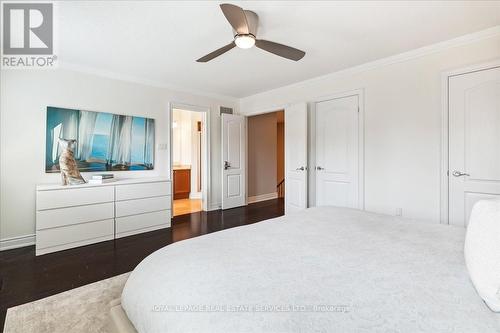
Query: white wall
[[196, 154], [25, 94], [402, 120], [181, 137]]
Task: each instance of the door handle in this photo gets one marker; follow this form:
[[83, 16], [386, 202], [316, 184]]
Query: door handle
[[319, 168], [459, 173], [227, 165], [300, 169]]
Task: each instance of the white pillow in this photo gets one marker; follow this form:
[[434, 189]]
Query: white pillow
[[482, 251]]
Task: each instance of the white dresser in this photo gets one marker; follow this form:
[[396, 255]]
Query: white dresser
[[71, 216]]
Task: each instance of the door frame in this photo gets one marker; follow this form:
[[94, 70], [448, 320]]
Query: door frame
[[444, 205], [252, 114], [206, 179], [361, 144]]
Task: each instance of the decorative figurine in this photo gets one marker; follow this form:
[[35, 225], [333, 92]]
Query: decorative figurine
[[67, 163]]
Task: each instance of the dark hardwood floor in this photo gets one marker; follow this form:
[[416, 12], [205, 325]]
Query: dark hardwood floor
[[25, 278]]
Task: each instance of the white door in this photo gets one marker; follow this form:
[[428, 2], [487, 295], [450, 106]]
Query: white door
[[337, 152], [474, 141], [295, 157], [233, 161]]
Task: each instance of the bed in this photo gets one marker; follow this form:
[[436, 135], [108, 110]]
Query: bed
[[323, 269]]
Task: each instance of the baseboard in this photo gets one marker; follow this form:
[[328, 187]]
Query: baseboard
[[262, 197], [195, 195], [215, 206], [15, 242]]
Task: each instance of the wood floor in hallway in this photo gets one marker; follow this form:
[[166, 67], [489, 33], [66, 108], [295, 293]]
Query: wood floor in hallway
[[186, 206]]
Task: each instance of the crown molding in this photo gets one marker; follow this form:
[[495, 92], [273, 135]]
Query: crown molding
[[401, 57], [394, 59], [142, 81]]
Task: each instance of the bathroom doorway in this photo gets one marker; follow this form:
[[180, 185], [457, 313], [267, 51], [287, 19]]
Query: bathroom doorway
[[189, 156]]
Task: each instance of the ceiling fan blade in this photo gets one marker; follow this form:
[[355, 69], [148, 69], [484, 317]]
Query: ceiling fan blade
[[236, 17], [217, 52], [280, 49]]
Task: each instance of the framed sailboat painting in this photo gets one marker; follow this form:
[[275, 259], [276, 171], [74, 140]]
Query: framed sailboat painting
[[104, 141]]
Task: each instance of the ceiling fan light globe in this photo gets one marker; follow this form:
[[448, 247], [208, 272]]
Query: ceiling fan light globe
[[244, 41]]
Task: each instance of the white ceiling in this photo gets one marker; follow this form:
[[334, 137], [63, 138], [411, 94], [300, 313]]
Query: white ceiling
[[160, 41]]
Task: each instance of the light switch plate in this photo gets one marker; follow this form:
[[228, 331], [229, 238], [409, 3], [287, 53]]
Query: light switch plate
[[162, 146], [399, 211]]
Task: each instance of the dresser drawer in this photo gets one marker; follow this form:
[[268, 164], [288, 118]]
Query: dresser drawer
[[73, 215], [130, 225], [74, 197], [139, 206], [56, 239], [138, 191]]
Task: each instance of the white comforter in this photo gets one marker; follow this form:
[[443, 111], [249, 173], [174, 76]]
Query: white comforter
[[322, 270]]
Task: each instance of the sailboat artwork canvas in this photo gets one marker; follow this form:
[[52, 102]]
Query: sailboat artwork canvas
[[104, 141]]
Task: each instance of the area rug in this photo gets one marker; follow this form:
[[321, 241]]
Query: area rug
[[84, 309]]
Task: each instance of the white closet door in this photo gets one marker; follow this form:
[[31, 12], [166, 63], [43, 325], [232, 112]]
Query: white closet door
[[233, 161], [474, 141], [337, 149], [295, 157]]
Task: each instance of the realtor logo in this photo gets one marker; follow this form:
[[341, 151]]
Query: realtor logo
[[28, 29]]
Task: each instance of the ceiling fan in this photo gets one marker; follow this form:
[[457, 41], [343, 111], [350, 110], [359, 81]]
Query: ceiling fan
[[244, 23]]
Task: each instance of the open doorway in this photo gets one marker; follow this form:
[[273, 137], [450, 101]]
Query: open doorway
[[266, 156], [188, 160]]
